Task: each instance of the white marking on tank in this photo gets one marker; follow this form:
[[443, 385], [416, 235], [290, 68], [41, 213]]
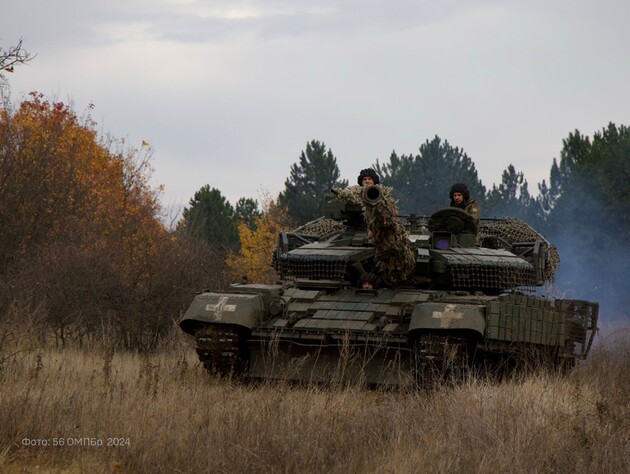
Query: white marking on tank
[[220, 307], [449, 314]]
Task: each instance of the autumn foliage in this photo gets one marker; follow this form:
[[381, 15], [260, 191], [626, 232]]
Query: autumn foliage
[[59, 184], [80, 234], [254, 259]]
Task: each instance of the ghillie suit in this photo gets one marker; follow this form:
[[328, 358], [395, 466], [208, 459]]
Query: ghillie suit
[[393, 256]]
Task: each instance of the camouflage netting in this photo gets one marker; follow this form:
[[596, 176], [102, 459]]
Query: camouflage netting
[[321, 267], [351, 194], [491, 274], [395, 259], [515, 230], [314, 267], [321, 227]]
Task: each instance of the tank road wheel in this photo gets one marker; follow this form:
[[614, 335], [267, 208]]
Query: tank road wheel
[[222, 349], [440, 359]]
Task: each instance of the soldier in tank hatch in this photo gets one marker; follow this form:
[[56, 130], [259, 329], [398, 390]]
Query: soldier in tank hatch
[[460, 198], [368, 177], [370, 281]]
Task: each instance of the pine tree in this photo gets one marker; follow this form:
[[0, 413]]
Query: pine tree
[[511, 198], [422, 183], [210, 218], [246, 212], [310, 180]]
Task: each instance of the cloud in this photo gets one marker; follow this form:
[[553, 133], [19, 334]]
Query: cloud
[[228, 92], [99, 23]]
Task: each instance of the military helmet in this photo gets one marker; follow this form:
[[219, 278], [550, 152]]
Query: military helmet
[[460, 188], [368, 172]]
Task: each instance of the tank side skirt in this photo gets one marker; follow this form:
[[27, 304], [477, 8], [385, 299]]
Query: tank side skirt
[[518, 323]]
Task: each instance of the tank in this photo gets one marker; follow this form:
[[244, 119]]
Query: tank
[[365, 295]]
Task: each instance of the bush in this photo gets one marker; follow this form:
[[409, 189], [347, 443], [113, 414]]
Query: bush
[[84, 294]]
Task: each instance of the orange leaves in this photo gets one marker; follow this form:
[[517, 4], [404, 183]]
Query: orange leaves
[[80, 234], [60, 184], [255, 256]]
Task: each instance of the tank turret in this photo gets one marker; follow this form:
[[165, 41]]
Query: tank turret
[[451, 294]]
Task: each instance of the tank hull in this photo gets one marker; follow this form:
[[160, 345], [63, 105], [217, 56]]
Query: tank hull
[[383, 337]]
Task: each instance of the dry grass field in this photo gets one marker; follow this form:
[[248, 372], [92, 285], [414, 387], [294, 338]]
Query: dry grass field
[[88, 409]]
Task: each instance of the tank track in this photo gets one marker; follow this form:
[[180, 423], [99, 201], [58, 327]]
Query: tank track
[[220, 349]]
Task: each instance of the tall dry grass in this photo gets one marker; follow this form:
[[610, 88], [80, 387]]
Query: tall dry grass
[[178, 419]]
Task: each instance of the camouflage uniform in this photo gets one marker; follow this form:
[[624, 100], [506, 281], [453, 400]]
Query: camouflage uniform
[[472, 208]]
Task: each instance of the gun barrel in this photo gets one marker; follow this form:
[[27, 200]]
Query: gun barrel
[[392, 254], [371, 195]]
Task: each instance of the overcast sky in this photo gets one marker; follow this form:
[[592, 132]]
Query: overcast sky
[[229, 92]]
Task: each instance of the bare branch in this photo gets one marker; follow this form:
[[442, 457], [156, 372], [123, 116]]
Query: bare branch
[[12, 56]]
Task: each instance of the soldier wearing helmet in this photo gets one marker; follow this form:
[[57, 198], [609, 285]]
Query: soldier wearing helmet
[[368, 177], [460, 198], [370, 281]]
